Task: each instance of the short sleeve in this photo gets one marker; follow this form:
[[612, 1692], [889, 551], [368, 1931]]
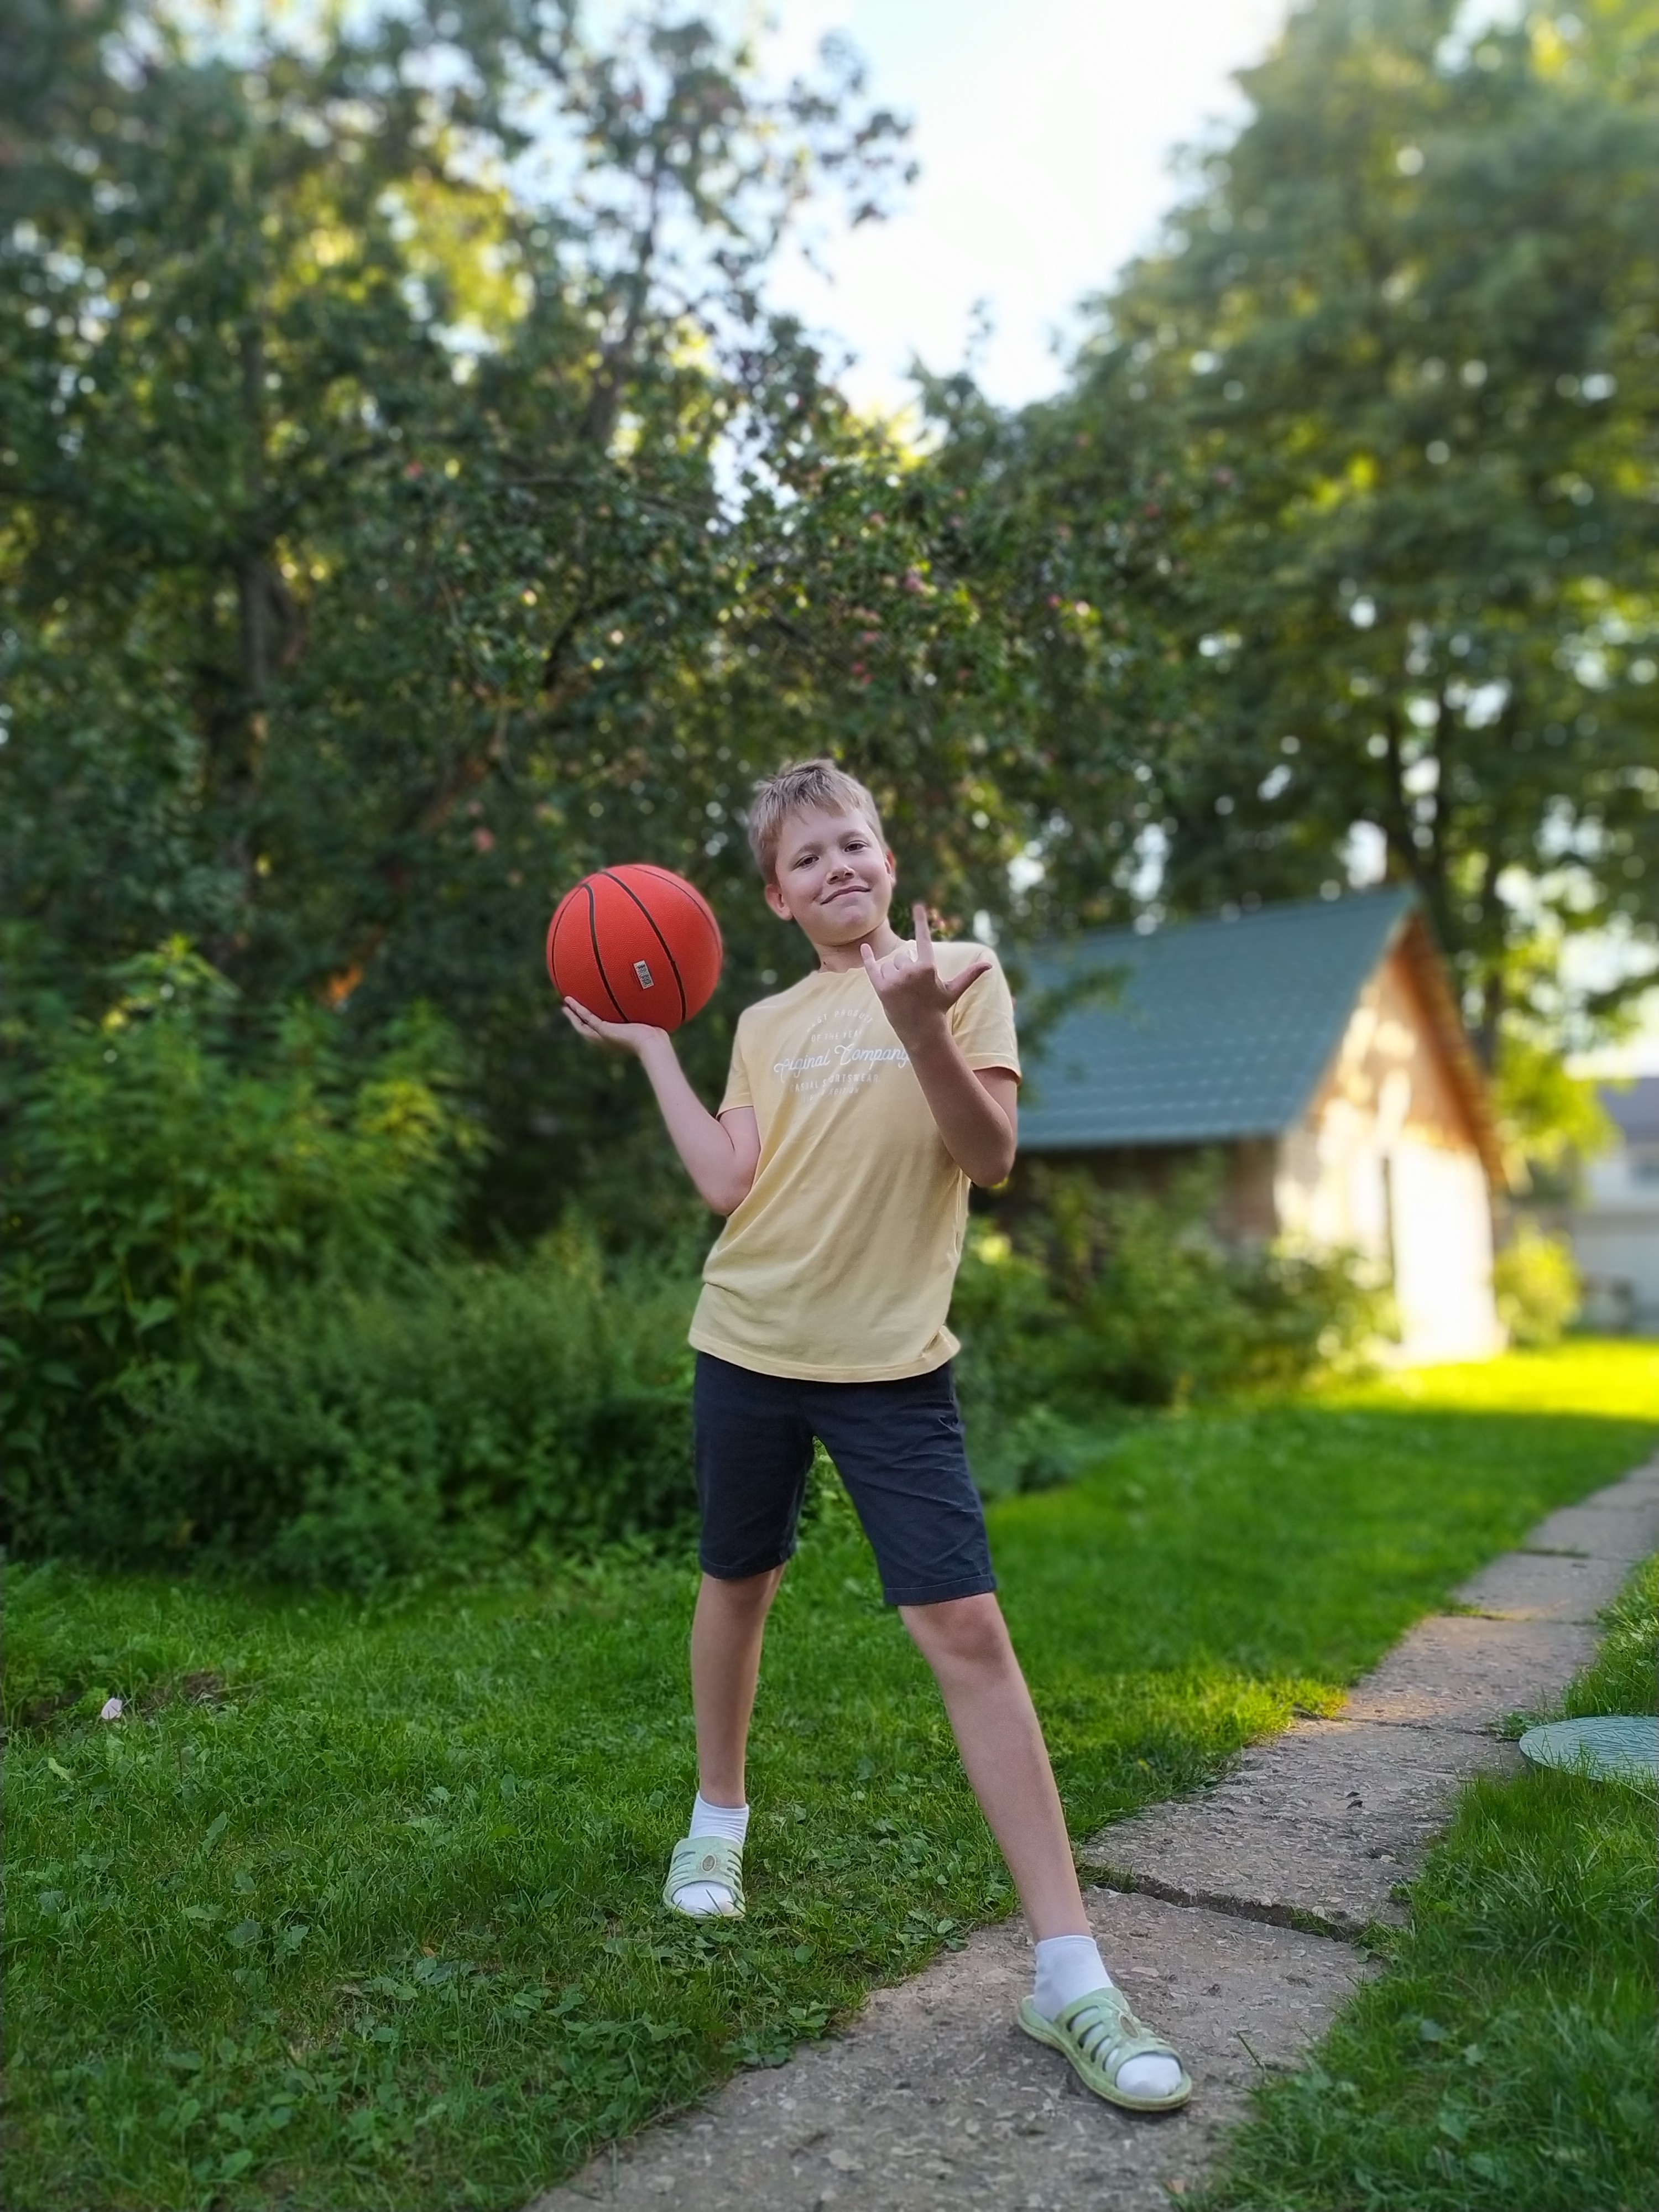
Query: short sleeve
[[738, 1090], [982, 1018]]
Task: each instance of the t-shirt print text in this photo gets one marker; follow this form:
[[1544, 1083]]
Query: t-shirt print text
[[834, 1059]]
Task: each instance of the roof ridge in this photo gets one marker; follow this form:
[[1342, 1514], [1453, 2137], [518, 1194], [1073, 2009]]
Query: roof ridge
[[1400, 896]]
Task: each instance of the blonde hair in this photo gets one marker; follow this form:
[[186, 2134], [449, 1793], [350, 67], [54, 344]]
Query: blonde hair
[[792, 790]]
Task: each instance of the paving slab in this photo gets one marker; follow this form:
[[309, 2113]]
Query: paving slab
[[1320, 1825], [1544, 1586], [1615, 1530], [1454, 1670], [935, 2101], [1641, 1484]]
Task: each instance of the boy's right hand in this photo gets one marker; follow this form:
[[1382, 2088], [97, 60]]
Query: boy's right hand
[[636, 1037]]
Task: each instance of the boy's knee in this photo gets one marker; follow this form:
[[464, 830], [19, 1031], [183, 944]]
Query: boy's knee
[[746, 1594], [960, 1632]]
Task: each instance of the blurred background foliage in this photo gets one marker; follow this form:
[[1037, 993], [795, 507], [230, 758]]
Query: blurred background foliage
[[409, 501]]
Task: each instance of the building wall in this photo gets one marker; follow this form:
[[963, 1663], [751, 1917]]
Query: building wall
[[1244, 1209], [1244, 1204], [1385, 1161], [1614, 1224], [1617, 1248]]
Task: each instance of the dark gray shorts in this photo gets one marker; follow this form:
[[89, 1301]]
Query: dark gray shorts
[[898, 1448]]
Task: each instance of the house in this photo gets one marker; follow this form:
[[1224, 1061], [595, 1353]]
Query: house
[[1318, 1047], [1614, 1223]]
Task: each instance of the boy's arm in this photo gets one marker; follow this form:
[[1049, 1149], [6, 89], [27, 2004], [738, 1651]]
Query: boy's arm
[[977, 1109], [976, 1112], [720, 1155]]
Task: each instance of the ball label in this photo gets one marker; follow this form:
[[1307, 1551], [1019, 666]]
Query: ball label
[[644, 974]]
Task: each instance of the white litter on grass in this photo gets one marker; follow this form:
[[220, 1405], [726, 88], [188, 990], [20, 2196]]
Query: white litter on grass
[[111, 1709]]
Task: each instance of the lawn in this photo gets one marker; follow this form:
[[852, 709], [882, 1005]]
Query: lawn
[[357, 1906], [1506, 2058]]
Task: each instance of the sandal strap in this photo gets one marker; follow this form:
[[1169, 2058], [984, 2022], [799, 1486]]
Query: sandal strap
[[1108, 2032], [706, 1858]]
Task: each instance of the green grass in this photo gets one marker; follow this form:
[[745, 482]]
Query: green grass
[[1506, 2059], [358, 1905]]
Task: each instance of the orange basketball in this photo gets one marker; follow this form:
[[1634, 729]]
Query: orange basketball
[[635, 944]]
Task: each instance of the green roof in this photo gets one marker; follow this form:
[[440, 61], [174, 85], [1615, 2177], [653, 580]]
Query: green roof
[[1219, 1029]]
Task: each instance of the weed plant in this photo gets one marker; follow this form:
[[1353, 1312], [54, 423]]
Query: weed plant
[[471, 1415], [356, 1903], [1077, 1298], [174, 1169]]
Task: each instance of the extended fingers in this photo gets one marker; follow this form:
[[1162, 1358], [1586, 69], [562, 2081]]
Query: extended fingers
[[923, 935], [954, 990]]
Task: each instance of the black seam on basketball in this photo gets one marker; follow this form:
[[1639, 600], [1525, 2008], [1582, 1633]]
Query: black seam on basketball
[[566, 908], [692, 898], [599, 957], [678, 983]]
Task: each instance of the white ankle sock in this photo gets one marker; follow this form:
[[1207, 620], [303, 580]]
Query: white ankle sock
[[731, 1822], [701, 1898], [1069, 1967]]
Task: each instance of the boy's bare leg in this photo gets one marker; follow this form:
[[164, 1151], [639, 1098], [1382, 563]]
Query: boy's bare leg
[[965, 1641], [727, 1632]]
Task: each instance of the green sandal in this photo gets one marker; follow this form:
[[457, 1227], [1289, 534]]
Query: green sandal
[[1098, 2035], [706, 1858]]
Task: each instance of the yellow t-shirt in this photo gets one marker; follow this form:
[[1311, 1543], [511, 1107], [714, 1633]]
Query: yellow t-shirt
[[837, 1268]]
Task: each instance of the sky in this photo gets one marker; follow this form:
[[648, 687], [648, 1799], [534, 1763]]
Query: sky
[[1044, 130]]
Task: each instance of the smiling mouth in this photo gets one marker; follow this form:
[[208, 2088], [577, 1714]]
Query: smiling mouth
[[847, 891]]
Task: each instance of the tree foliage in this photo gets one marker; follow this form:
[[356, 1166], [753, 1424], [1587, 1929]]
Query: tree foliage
[[1407, 325]]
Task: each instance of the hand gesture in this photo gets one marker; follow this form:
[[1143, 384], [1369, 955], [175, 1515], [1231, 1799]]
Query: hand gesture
[[635, 1038], [914, 994]]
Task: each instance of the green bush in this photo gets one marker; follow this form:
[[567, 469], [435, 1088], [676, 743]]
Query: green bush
[[165, 1173], [1535, 1281], [1090, 1297], [473, 1414], [1032, 1448]]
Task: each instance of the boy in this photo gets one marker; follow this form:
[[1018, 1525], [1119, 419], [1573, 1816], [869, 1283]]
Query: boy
[[861, 1104]]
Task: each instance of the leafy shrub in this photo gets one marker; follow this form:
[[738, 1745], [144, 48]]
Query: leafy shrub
[[165, 1176], [469, 1415], [1090, 1297], [1536, 1282], [1034, 1449]]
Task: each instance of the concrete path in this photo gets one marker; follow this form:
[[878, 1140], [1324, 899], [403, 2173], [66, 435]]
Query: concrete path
[[1224, 1916]]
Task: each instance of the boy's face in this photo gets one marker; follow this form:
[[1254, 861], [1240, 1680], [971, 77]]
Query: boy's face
[[832, 874]]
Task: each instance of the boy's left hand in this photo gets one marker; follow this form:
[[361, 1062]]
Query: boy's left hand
[[914, 994]]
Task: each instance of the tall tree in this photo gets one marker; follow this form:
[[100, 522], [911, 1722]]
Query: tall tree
[[1405, 330]]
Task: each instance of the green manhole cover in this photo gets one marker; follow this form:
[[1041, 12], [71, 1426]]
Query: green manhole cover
[[1614, 1747]]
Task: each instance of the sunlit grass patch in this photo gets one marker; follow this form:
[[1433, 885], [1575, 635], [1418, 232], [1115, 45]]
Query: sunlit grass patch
[[1615, 1376]]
